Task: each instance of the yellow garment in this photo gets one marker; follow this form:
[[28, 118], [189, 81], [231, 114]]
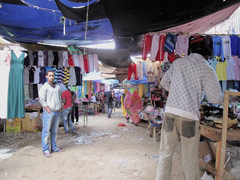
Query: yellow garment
[[221, 70], [140, 89], [123, 109]]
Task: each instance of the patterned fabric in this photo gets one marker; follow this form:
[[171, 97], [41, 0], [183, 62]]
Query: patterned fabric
[[186, 80], [221, 70], [60, 75], [66, 76], [170, 42]]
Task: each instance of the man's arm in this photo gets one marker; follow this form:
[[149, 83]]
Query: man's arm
[[43, 98]]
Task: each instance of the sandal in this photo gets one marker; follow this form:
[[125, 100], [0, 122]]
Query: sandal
[[47, 154], [59, 150]]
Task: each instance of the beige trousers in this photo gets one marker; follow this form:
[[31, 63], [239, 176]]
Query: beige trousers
[[177, 128]]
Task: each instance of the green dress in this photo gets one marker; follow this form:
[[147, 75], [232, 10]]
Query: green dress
[[16, 88]]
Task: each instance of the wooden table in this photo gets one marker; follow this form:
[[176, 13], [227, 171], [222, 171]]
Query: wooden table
[[221, 136]]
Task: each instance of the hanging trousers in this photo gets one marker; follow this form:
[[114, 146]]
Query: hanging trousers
[[147, 42]]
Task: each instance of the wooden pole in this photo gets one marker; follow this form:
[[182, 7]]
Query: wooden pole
[[224, 136]]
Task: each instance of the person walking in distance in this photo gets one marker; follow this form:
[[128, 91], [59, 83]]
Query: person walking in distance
[[51, 101]]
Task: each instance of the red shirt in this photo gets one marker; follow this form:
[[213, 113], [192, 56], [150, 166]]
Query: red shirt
[[67, 98]]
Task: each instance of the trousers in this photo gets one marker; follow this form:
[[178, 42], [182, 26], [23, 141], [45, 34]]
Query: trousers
[[177, 128]]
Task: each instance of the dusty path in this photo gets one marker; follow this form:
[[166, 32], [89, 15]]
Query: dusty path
[[101, 150]]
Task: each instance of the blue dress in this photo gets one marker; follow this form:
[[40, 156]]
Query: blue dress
[[16, 88]]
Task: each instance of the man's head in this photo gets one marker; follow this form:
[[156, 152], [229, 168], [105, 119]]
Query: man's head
[[50, 75]]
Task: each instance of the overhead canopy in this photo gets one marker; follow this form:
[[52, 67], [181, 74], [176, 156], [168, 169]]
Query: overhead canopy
[[124, 21]]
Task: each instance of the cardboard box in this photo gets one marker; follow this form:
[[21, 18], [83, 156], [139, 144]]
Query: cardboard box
[[13, 125], [29, 124]]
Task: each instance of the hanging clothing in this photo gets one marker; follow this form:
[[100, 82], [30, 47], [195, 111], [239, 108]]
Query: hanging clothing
[[235, 45], [237, 66], [86, 63], [91, 63], [31, 74], [66, 76], [81, 63], [60, 75], [50, 58], [182, 45], [95, 61], [36, 75], [26, 75], [76, 60], [26, 92], [42, 75], [170, 43], [35, 58], [56, 58], [16, 87], [30, 58], [5, 60], [226, 42], [230, 69], [140, 71], [208, 44], [70, 60], [147, 42], [60, 56], [161, 52], [45, 58], [72, 81], [132, 69], [213, 62], [154, 46], [221, 70], [218, 47], [65, 59], [26, 59], [40, 59], [78, 76], [55, 74]]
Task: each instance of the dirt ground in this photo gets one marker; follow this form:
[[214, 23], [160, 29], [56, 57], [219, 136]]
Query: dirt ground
[[100, 150]]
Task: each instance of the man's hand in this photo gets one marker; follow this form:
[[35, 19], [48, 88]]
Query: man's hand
[[47, 109]]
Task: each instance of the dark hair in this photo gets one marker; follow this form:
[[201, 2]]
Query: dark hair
[[50, 70]]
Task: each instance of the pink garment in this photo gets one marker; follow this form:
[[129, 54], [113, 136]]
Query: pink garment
[[147, 42], [98, 87], [237, 62], [154, 47], [161, 52], [182, 45], [95, 61]]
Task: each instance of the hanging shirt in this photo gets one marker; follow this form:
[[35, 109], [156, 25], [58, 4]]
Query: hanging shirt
[[36, 75], [226, 42], [72, 81], [147, 42], [221, 70], [45, 58], [81, 63], [26, 60], [132, 69], [31, 74], [66, 76], [65, 59], [218, 47], [26, 75], [40, 58], [78, 76], [60, 56], [230, 69], [42, 75], [56, 58], [154, 46], [35, 58], [235, 45], [170, 43], [236, 68], [60, 75], [95, 61], [50, 58], [76, 60], [70, 60], [91, 63], [182, 46], [161, 52]]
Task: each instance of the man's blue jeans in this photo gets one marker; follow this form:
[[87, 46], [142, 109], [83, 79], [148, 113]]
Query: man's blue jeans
[[65, 118], [50, 125]]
